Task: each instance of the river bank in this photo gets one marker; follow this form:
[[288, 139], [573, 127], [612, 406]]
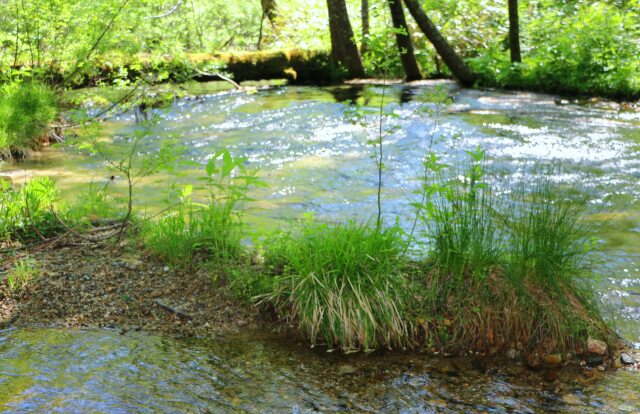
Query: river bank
[[102, 285], [286, 109], [83, 284]]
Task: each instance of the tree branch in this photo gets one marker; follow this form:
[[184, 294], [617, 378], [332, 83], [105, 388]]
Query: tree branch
[[170, 12]]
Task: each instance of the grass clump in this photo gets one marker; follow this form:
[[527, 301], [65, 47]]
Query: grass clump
[[343, 285], [22, 275], [27, 213], [505, 271], [26, 111]]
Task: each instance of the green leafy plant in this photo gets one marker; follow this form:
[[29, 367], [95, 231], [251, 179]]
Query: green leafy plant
[[28, 213], [26, 112], [212, 225]]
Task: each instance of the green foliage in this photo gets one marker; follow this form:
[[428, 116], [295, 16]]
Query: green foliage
[[523, 256], [22, 274], [459, 218], [92, 206], [342, 284], [26, 112], [592, 49], [549, 235], [213, 225], [27, 213]]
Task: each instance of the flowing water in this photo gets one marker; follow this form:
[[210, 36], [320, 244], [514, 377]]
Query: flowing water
[[314, 161]]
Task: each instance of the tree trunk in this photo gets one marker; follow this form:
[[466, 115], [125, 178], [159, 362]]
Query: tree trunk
[[456, 65], [405, 47], [269, 9], [364, 17], [343, 46], [514, 32]]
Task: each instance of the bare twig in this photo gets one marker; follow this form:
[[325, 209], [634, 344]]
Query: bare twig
[[168, 13]]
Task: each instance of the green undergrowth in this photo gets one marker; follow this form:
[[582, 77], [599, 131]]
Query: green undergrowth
[[211, 226], [592, 50], [26, 112], [26, 212], [33, 211]]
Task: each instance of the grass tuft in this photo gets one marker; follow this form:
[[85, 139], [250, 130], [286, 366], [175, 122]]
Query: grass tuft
[[343, 285]]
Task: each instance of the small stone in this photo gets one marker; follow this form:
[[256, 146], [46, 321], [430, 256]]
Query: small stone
[[571, 399], [534, 361], [552, 360], [132, 264], [594, 360], [165, 269], [596, 347], [627, 359]]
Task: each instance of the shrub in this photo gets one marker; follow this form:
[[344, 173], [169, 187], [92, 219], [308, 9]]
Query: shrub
[[26, 111], [343, 285]]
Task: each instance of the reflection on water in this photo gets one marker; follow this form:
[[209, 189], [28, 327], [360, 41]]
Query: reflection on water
[[315, 161], [54, 370]]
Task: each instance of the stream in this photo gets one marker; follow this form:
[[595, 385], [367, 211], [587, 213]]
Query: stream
[[315, 161]]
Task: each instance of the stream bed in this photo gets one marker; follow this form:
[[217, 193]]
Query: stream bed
[[315, 161]]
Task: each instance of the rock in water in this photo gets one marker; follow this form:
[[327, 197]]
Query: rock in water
[[594, 360], [552, 361], [597, 347], [627, 359], [534, 361]]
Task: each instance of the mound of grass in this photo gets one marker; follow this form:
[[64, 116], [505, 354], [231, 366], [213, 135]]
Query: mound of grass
[[343, 285], [26, 111], [506, 271]]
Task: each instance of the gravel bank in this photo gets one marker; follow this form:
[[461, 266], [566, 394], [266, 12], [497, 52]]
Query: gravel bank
[[116, 287]]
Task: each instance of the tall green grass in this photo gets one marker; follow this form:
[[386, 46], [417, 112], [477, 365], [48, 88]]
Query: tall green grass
[[505, 268], [343, 285], [26, 112]]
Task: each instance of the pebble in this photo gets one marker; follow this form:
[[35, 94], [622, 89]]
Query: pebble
[[552, 360], [346, 369]]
